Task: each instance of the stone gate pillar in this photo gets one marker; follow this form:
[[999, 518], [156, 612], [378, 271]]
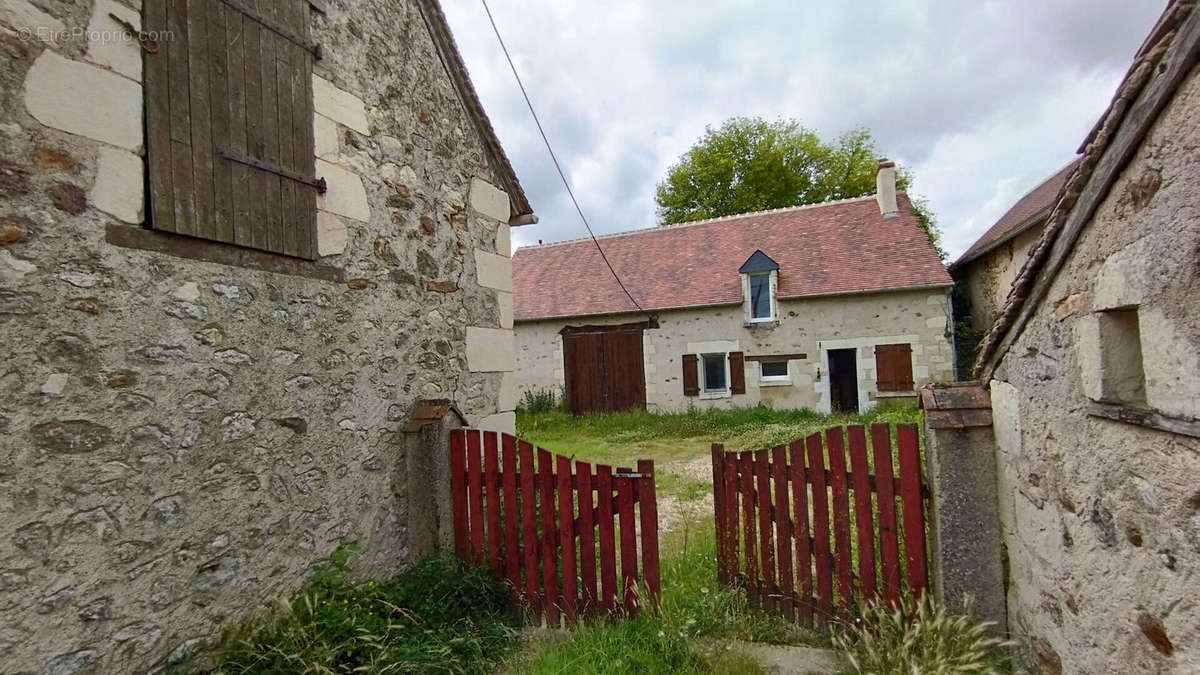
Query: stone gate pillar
[[427, 477], [960, 455]]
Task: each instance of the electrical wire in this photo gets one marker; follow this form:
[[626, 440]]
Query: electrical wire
[[554, 158]]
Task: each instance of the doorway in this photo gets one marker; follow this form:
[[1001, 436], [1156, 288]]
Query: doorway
[[843, 380]]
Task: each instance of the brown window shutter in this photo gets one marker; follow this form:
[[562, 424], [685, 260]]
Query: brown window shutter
[[893, 367], [229, 123], [691, 375], [737, 373]]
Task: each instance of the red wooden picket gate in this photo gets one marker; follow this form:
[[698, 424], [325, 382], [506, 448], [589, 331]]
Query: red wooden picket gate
[[529, 523], [774, 504]]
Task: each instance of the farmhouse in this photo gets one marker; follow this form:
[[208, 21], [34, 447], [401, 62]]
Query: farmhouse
[[1092, 368], [833, 306], [238, 244]]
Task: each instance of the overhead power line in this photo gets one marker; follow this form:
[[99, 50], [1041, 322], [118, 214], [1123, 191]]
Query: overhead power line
[[554, 158]]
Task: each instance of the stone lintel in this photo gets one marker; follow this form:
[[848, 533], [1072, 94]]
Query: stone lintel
[[957, 406]]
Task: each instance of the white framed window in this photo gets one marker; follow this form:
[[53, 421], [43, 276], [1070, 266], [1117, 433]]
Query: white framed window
[[714, 373], [773, 371], [760, 297]]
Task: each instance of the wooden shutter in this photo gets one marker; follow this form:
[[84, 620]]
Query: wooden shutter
[[229, 123], [893, 367], [691, 375], [737, 373]]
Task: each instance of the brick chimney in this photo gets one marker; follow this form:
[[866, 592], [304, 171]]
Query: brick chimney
[[885, 188]]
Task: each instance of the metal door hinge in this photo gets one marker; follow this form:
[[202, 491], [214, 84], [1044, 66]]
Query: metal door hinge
[[269, 24]]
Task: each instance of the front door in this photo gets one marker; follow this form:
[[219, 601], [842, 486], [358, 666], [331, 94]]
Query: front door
[[843, 380], [604, 369]]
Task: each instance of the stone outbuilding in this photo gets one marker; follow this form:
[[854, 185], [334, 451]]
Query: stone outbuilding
[[238, 242], [834, 306], [1092, 366], [986, 270]]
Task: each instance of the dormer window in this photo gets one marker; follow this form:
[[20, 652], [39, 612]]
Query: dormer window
[[760, 280], [760, 297]]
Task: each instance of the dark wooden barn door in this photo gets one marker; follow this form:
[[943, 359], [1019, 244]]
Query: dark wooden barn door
[[604, 369]]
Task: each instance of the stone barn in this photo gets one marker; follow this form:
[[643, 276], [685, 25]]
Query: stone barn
[[238, 242], [1092, 366]]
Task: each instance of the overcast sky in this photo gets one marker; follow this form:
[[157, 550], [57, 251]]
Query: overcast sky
[[981, 100]]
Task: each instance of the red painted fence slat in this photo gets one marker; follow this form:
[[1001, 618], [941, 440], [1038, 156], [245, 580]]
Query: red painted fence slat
[[550, 597], [628, 541], [748, 529], [529, 538], [608, 546], [648, 511], [475, 498], [512, 516], [458, 490], [491, 483], [766, 540], [587, 538], [804, 610], [881, 441], [914, 508], [841, 519], [566, 526], [783, 532], [731, 517], [718, 464], [820, 509], [864, 515]]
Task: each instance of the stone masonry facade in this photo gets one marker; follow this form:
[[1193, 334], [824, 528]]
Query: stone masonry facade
[[1101, 518], [809, 326], [182, 437]]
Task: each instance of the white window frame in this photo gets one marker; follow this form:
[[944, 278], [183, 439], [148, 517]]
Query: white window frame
[[705, 392], [770, 297], [775, 380]]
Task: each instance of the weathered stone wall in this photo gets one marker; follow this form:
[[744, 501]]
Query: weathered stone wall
[[181, 439], [990, 277], [1102, 518], [811, 326]]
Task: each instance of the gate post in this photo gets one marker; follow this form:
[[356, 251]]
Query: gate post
[[427, 477], [964, 527]]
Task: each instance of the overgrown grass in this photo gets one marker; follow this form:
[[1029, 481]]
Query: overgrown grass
[[541, 401], [738, 428], [691, 632], [919, 637], [440, 616]]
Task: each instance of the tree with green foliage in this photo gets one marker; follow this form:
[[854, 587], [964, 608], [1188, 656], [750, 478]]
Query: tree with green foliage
[[749, 164]]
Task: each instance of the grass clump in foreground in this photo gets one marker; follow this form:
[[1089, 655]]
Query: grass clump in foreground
[[747, 428], [691, 633], [440, 616], [919, 637]]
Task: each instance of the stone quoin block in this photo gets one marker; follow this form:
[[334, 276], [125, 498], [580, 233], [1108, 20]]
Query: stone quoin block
[[490, 201], [505, 422], [20, 15], [119, 190], [490, 350], [331, 234], [82, 99], [504, 240], [346, 195], [493, 271], [325, 137], [508, 392], [339, 105], [107, 48], [505, 302]]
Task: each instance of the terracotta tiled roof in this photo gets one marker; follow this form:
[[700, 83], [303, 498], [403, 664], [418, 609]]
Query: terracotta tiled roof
[[838, 247], [1027, 212]]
